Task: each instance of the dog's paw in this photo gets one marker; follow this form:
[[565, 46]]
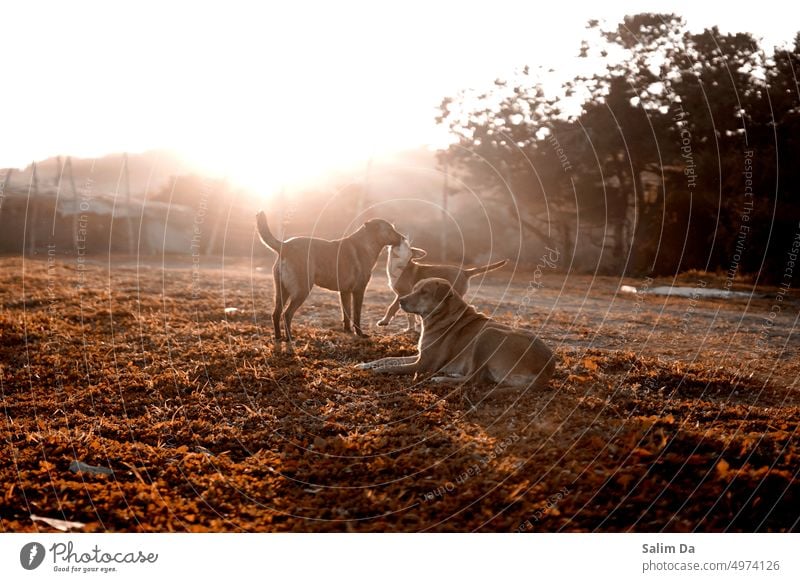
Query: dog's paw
[[363, 366], [382, 322], [283, 347]]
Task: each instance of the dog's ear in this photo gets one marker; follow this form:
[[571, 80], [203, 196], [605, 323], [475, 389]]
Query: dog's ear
[[418, 253], [443, 290]]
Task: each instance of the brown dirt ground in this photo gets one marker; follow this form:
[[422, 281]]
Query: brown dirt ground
[[665, 414]]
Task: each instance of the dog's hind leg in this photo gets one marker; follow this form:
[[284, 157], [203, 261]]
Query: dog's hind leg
[[465, 383], [358, 303], [280, 297], [295, 301], [346, 299]]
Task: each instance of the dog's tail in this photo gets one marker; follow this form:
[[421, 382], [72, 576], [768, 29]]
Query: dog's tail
[[265, 234], [481, 270]]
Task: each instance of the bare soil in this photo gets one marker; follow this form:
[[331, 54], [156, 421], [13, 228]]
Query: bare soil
[[666, 414]]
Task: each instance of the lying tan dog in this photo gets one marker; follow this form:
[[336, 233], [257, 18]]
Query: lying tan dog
[[344, 265], [456, 340], [404, 272]]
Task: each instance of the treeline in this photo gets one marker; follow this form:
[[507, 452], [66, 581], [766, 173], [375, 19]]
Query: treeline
[[682, 154]]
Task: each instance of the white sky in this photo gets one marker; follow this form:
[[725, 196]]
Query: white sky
[[266, 93]]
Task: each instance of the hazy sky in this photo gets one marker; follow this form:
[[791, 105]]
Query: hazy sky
[[267, 93]]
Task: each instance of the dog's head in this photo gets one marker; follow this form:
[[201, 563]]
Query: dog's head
[[382, 232], [429, 296], [403, 253]]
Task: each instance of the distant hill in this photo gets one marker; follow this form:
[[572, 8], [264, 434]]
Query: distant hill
[[405, 188], [154, 166]]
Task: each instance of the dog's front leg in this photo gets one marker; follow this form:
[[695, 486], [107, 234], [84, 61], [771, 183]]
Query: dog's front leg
[[450, 379], [346, 298], [412, 322], [358, 302], [390, 312], [396, 365], [397, 369]]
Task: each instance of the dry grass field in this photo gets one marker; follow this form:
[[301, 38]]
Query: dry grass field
[[666, 414]]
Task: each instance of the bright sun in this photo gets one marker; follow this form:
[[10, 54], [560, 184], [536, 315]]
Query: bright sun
[[265, 169]]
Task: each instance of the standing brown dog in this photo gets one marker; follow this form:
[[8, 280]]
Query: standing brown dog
[[344, 265]]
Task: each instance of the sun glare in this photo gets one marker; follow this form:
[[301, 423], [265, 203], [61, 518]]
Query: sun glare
[[266, 168], [270, 96]]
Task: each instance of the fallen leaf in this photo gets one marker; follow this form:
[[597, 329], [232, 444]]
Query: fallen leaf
[[625, 479], [723, 467], [574, 378], [81, 467], [59, 524]]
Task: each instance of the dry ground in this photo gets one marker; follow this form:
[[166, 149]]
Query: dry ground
[[666, 414]]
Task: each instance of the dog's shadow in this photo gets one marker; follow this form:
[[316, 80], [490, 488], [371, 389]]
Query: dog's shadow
[[446, 445]]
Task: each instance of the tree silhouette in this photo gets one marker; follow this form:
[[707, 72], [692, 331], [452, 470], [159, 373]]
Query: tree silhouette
[[677, 158]]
